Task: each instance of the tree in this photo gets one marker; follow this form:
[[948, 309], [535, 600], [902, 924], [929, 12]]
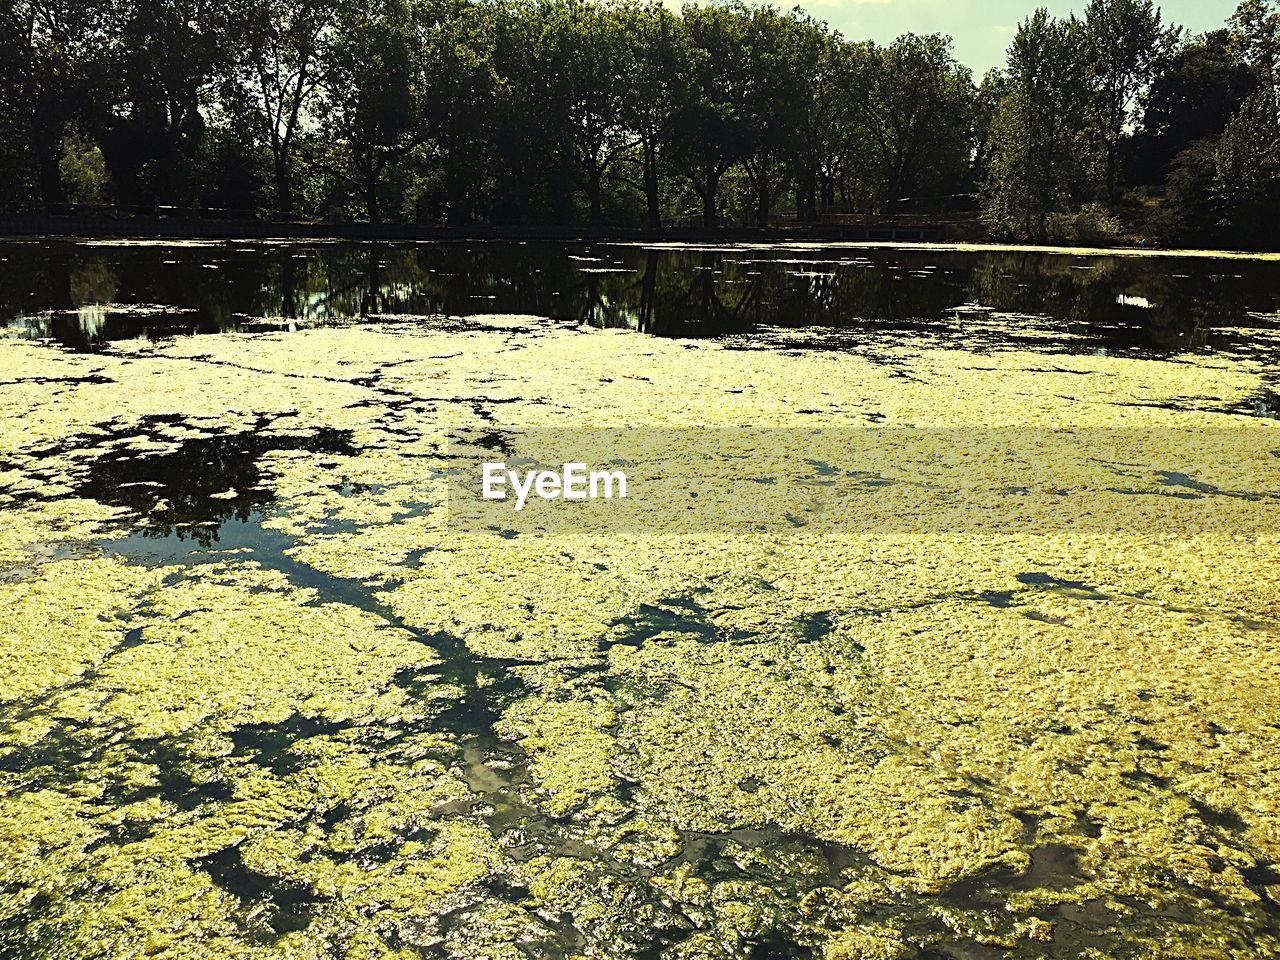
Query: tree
[[820, 108], [710, 132], [592, 56], [531, 139], [1247, 179], [58, 51], [1126, 45], [657, 72], [462, 88], [914, 103], [1202, 85], [556, 111], [991, 93], [774, 99], [1223, 182], [1190, 208], [1038, 157], [372, 89], [15, 121], [281, 46], [168, 57], [1255, 36]]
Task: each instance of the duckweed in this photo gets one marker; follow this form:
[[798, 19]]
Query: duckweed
[[336, 726]]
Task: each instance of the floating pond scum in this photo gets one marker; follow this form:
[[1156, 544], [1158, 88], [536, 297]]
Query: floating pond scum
[[922, 632]]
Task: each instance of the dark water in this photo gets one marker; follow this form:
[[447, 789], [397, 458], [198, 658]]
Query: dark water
[[85, 294]]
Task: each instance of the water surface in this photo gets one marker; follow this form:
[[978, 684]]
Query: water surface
[[259, 698], [87, 294]]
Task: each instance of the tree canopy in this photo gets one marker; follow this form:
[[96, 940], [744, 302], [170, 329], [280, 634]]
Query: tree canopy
[[624, 112]]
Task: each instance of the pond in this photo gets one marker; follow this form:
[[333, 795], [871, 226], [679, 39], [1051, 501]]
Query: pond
[[263, 693], [85, 294]]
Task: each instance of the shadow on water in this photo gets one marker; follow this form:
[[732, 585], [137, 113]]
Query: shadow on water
[[201, 526], [282, 908], [86, 296], [210, 531], [202, 497], [190, 475], [189, 491]]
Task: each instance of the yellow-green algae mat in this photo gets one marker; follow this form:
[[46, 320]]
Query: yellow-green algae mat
[[317, 722]]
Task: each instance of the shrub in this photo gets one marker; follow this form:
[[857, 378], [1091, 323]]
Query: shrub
[[1091, 224], [84, 173]]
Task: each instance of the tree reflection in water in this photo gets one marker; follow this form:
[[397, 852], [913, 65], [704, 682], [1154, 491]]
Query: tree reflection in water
[[83, 294]]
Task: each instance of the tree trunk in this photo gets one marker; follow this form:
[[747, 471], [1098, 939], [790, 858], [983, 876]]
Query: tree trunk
[[52, 194], [762, 198], [806, 201], [710, 216], [895, 190], [457, 209], [284, 189], [1111, 171], [372, 174], [593, 195], [651, 186]]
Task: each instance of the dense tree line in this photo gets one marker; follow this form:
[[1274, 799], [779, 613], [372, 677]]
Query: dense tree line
[[566, 111]]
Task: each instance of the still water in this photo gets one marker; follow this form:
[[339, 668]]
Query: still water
[[86, 294]]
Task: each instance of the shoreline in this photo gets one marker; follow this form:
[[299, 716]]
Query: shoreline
[[667, 240]]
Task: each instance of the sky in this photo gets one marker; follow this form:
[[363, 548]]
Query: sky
[[982, 29]]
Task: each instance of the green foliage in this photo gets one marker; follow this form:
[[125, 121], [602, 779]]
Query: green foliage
[[1189, 209], [915, 104], [373, 93], [233, 173], [162, 62], [279, 48], [463, 96], [583, 45], [1202, 84], [1246, 186], [711, 131], [656, 55], [1040, 148], [84, 173], [1227, 186], [819, 148], [1092, 224], [1255, 37], [60, 52], [779, 58], [624, 111], [17, 159], [1126, 46]]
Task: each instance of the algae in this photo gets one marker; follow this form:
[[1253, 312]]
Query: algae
[[336, 726]]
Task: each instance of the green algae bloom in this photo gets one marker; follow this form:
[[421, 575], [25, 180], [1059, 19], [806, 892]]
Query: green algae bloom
[[298, 714]]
